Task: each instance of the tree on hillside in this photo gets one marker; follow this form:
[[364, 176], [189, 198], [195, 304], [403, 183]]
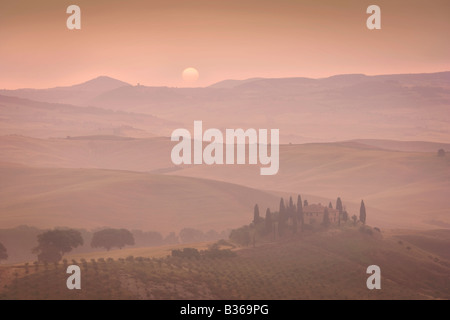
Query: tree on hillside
[[340, 209], [305, 203], [256, 217], [293, 214], [354, 218], [441, 153], [53, 244], [241, 236], [345, 216], [268, 221], [186, 253], [291, 207], [330, 206], [3, 252], [112, 238], [339, 205], [362, 212], [282, 218], [326, 218], [300, 211]]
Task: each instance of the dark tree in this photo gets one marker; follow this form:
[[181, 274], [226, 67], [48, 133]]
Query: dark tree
[[112, 238], [53, 244], [292, 214], [268, 221], [326, 218], [256, 217], [345, 216], [186, 253], [282, 218], [354, 218], [362, 213], [305, 203], [339, 205], [340, 209], [300, 211], [3, 252], [330, 206], [291, 208], [241, 236], [441, 153]]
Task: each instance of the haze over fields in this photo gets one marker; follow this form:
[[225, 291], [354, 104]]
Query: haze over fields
[[98, 154], [100, 101], [67, 136]]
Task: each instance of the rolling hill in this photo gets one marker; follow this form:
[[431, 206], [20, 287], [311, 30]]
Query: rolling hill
[[402, 189], [97, 152], [406, 146], [410, 188], [90, 198], [44, 120]]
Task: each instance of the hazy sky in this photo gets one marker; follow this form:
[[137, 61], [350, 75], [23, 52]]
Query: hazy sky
[[151, 42]]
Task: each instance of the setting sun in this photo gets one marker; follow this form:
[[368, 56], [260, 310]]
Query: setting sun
[[190, 75]]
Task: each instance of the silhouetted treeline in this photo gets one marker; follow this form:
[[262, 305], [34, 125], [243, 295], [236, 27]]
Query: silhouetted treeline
[[19, 242], [293, 218]]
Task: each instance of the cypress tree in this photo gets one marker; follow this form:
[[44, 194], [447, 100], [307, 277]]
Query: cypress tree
[[362, 212], [300, 210], [345, 216], [256, 217], [293, 214], [282, 218], [291, 207], [268, 221], [340, 209]]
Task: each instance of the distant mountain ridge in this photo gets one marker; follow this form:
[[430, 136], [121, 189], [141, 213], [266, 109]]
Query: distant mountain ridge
[[76, 94], [442, 77], [410, 107], [102, 83]]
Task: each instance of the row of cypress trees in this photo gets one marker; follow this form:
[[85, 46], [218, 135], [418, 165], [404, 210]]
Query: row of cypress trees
[[279, 220]]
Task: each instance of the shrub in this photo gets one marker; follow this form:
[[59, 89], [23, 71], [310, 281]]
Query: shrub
[[366, 230], [224, 243], [110, 238], [186, 253], [241, 236]]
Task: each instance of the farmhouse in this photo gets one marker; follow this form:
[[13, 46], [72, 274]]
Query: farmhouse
[[313, 213]]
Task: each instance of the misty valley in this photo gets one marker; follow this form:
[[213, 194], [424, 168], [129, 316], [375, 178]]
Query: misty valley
[[350, 202], [213, 153]]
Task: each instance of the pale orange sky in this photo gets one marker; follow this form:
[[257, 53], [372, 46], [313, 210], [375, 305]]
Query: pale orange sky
[[151, 42]]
